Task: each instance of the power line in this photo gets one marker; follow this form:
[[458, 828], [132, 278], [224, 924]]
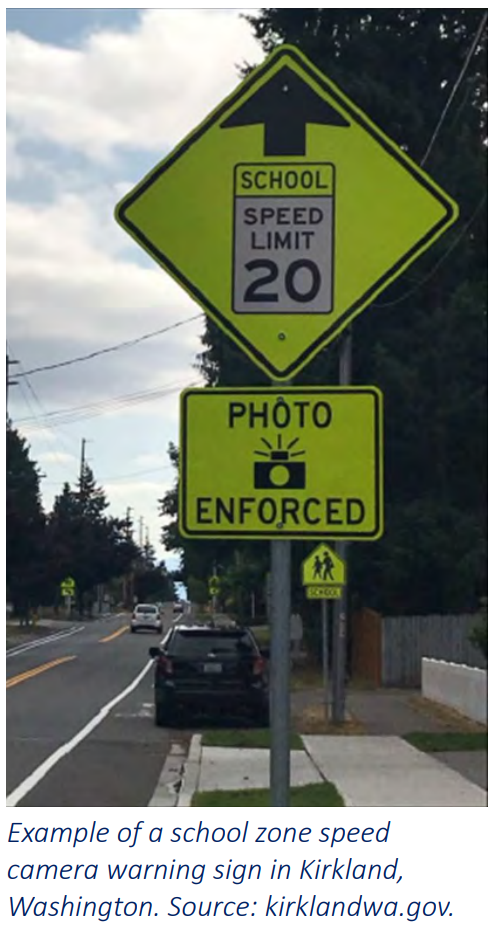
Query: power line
[[456, 85], [124, 345], [440, 262], [119, 478], [42, 421], [41, 426], [72, 415]]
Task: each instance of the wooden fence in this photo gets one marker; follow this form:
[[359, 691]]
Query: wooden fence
[[387, 651]]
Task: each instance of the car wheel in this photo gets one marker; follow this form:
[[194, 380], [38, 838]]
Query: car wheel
[[164, 716], [261, 717]]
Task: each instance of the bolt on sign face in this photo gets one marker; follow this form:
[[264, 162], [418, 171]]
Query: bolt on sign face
[[285, 212], [295, 463]]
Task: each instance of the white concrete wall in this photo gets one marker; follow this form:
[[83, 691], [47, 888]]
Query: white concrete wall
[[463, 688]]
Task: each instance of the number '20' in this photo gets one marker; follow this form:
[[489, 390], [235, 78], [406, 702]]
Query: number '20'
[[303, 295]]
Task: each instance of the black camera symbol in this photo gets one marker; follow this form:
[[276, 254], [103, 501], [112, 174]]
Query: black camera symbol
[[280, 472]]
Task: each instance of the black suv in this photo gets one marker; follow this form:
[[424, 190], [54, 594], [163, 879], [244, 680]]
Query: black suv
[[213, 669]]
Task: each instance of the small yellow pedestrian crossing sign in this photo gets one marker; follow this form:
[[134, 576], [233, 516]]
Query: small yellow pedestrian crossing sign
[[323, 573]]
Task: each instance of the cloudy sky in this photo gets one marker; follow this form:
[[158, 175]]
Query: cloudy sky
[[95, 99]]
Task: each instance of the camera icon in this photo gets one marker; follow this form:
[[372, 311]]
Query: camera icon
[[279, 472]]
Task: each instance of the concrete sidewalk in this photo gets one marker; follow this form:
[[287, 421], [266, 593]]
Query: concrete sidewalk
[[377, 768], [367, 771]]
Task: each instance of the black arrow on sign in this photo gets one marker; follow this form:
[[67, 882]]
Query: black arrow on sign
[[285, 104]]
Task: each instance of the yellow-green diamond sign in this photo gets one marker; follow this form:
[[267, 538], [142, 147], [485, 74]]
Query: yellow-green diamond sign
[[295, 463], [286, 212]]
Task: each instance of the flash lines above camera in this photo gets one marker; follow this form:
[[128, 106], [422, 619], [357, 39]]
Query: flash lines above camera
[[280, 472]]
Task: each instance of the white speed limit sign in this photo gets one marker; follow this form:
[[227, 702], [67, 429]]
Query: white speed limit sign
[[283, 238]]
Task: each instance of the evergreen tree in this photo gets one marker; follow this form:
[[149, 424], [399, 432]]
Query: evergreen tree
[[85, 543], [154, 583], [25, 526]]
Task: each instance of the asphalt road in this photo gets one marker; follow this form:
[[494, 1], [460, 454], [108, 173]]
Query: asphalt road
[[80, 723]]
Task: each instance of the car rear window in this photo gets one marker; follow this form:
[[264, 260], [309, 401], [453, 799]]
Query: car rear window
[[200, 643], [146, 609]]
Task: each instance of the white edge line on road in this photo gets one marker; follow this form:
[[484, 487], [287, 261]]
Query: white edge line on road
[[41, 771], [15, 651]]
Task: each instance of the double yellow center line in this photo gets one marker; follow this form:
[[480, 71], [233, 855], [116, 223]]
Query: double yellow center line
[[30, 673], [117, 633], [22, 676]]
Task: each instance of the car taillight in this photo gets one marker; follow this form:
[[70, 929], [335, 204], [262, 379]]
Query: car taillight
[[259, 666], [165, 664]]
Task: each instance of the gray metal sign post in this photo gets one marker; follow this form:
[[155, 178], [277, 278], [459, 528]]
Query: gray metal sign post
[[325, 656], [339, 647], [280, 554], [340, 606]]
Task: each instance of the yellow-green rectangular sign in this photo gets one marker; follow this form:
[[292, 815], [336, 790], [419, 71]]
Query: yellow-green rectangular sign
[[295, 463], [324, 591]]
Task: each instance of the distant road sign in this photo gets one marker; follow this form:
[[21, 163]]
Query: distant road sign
[[286, 212], [68, 586], [290, 462], [214, 585]]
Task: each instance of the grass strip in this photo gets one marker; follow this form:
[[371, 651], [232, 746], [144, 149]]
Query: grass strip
[[436, 742], [255, 738], [316, 795]]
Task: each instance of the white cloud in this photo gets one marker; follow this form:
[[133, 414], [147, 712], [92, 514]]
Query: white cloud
[[149, 461], [57, 457], [141, 89], [76, 282], [61, 274]]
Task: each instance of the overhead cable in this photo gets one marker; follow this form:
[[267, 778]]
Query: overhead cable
[[124, 345], [456, 85]]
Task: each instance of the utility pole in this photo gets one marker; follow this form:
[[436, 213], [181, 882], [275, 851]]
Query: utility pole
[[9, 381], [326, 656], [128, 578], [82, 462], [129, 527]]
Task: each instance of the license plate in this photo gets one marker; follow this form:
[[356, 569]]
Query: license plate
[[212, 667]]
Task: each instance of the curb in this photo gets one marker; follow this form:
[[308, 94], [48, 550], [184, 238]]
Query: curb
[[170, 780], [192, 771]]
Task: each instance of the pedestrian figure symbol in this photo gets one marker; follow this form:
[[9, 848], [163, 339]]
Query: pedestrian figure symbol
[[327, 566], [323, 567]]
